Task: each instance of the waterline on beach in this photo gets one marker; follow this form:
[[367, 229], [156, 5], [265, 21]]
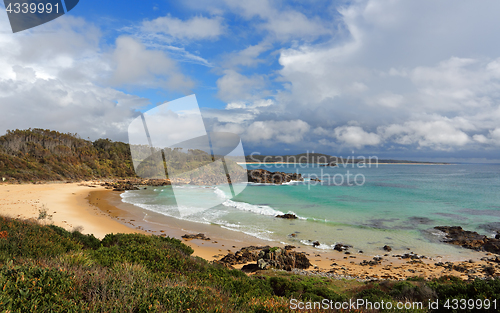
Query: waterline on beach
[[398, 206]]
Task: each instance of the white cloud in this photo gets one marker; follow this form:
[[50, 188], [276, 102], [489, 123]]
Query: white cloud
[[493, 137], [234, 86], [274, 18], [280, 131], [229, 127], [252, 107], [247, 57], [440, 134], [388, 100], [418, 70], [135, 65], [294, 24], [195, 28], [55, 75], [355, 136]]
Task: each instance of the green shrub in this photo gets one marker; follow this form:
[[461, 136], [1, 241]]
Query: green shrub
[[31, 240], [374, 294], [285, 287], [34, 289]]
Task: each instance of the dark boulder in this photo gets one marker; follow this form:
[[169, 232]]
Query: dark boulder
[[341, 247], [197, 236], [288, 216], [469, 239], [267, 257]]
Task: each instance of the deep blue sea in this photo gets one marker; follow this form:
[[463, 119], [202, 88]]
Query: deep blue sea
[[396, 205]]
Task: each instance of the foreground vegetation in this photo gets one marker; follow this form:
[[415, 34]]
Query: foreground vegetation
[[44, 268]]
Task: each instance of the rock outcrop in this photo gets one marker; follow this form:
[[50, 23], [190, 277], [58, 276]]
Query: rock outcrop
[[267, 257], [341, 247], [131, 184], [262, 176], [287, 216], [197, 236], [469, 239]]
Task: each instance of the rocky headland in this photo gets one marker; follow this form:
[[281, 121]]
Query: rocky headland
[[262, 176]]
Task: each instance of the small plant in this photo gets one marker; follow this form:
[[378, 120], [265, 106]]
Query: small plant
[[43, 214]]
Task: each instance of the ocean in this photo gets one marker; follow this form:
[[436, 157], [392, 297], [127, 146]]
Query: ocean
[[367, 208]]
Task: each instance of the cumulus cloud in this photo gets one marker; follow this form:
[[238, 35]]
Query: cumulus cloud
[[432, 84], [234, 86], [247, 57], [55, 77], [280, 131], [261, 103], [441, 134], [283, 23], [493, 137], [133, 64], [355, 136]]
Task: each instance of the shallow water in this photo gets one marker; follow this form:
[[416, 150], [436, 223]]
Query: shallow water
[[397, 205]]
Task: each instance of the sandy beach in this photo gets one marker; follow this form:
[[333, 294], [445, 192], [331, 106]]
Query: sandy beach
[[92, 209]]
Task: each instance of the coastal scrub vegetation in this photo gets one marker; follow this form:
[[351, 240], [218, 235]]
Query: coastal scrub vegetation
[[45, 268]]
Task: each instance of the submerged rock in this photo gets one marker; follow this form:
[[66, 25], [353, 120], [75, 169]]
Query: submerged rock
[[469, 239]]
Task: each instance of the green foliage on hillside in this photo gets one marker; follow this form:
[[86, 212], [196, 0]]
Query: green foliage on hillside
[[41, 155], [48, 269], [38, 154]]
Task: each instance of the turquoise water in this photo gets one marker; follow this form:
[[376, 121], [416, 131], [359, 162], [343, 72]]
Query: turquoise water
[[396, 205]]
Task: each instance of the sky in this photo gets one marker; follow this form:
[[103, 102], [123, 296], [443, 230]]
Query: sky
[[409, 79]]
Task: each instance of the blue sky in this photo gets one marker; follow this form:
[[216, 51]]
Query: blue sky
[[398, 79]]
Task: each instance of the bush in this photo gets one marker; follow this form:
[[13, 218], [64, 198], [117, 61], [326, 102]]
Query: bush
[[31, 240], [34, 289], [285, 287]]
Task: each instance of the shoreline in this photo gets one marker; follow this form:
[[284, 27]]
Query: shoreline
[[100, 211], [348, 163]]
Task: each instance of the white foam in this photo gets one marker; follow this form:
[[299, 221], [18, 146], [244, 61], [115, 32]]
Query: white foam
[[299, 217], [293, 182], [126, 194], [220, 193], [260, 233], [321, 246], [258, 209]]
